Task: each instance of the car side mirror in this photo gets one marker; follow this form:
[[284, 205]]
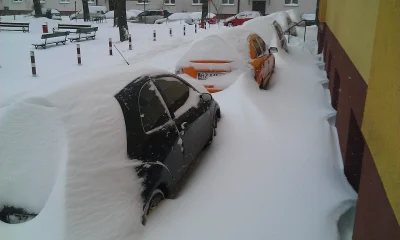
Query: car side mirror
[[273, 50], [206, 97]]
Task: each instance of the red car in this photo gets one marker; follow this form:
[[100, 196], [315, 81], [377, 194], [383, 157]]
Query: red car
[[240, 18]]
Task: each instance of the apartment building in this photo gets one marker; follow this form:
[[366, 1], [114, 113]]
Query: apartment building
[[360, 42], [223, 7]]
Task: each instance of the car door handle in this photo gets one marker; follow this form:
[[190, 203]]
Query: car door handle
[[183, 125]]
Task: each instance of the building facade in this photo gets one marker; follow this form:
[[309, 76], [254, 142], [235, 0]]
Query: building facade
[[360, 42], [223, 7]]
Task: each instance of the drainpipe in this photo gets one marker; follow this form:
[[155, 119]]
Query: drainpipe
[[238, 8]]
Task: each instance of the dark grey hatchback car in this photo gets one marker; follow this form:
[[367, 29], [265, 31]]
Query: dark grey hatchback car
[[168, 123]]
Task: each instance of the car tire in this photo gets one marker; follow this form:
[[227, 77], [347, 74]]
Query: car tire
[[230, 24], [156, 197], [213, 130]]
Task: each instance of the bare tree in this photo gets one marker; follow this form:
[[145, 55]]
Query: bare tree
[[115, 3], [121, 20], [38, 8], [217, 4], [204, 11], [86, 16]]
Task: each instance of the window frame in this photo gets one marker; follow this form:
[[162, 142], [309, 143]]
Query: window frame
[[196, 4], [169, 2], [64, 1], [291, 4], [228, 3], [142, 2], [154, 129], [17, 1]]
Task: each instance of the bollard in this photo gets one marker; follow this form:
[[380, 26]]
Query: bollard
[[184, 30], [170, 32], [130, 42], [78, 53], [110, 46], [154, 35], [33, 65], [205, 25], [195, 28]]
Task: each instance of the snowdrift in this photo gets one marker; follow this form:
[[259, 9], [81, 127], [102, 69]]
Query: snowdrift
[[69, 143]]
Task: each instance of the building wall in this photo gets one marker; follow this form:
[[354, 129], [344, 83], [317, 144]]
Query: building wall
[[359, 25], [305, 6], [362, 56], [381, 125]]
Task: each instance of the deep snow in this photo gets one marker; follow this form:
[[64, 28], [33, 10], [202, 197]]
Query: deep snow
[[274, 170]]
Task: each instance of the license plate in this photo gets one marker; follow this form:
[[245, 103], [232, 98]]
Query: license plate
[[205, 75]]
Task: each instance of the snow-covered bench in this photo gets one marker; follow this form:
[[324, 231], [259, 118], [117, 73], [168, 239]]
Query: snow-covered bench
[[68, 27], [50, 38], [83, 33], [14, 26]]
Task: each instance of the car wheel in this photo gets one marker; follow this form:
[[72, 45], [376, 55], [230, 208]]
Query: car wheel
[[156, 197], [230, 24], [213, 131]]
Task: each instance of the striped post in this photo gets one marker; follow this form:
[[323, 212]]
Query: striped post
[[205, 25], [33, 65], [184, 30], [110, 46], [154, 35], [130, 42], [170, 32], [78, 53], [195, 28]]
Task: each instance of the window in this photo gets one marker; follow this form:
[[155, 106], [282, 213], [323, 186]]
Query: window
[[242, 15], [143, 2], [228, 2], [257, 47], [64, 1], [196, 2], [175, 92], [17, 1], [152, 111], [262, 44], [293, 3], [169, 2]]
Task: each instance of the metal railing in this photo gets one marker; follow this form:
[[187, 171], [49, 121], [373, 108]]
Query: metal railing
[[306, 23]]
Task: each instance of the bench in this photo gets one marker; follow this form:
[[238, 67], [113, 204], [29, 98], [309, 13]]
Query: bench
[[50, 38], [84, 33], [70, 26], [24, 27]]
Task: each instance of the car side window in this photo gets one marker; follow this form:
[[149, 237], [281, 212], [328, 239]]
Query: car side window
[[257, 47], [152, 111], [262, 44], [174, 91]]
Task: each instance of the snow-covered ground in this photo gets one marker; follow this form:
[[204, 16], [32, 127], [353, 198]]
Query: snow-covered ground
[[274, 171]]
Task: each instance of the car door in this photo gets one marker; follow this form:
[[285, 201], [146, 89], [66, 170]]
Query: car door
[[161, 144], [190, 114]]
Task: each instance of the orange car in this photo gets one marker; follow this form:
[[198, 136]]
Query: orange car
[[211, 59]]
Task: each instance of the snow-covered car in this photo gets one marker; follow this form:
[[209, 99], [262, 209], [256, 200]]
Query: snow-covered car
[[94, 11], [143, 128], [130, 14], [50, 13], [150, 16], [240, 18], [180, 16], [213, 59], [210, 18]]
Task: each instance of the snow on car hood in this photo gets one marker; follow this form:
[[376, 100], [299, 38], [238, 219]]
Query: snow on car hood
[[73, 137]]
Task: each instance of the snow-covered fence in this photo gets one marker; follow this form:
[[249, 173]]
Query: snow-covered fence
[[78, 53], [33, 65], [110, 46]]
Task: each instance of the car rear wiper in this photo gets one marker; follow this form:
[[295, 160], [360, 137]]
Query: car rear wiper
[[15, 215]]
